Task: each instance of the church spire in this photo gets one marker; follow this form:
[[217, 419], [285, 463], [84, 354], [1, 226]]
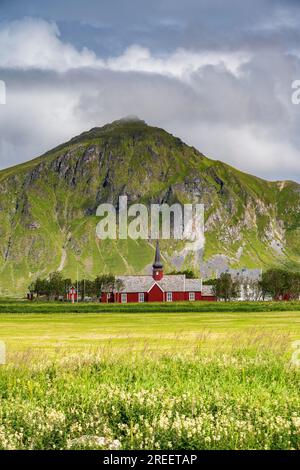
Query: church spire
[[157, 265]]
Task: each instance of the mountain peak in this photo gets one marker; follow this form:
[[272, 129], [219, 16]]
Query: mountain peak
[[130, 122], [52, 201], [129, 118]]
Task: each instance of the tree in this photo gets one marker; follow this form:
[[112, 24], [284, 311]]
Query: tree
[[280, 284], [250, 288], [118, 286], [226, 288], [104, 282], [209, 282], [295, 286], [189, 274], [87, 288], [39, 287], [56, 285], [67, 284]]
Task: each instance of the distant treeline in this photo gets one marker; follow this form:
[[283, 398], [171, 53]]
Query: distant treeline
[[56, 286], [276, 284]]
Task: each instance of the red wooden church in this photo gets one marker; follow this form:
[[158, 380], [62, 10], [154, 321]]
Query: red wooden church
[[158, 287]]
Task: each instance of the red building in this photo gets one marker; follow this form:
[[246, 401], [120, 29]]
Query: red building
[[72, 294], [158, 287]]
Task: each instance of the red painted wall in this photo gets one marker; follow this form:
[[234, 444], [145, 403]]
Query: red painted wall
[[69, 296], [155, 294], [197, 296], [209, 298], [157, 274], [176, 296], [104, 298], [132, 297]]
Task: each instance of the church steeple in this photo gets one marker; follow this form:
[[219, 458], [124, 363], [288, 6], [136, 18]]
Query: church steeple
[[157, 266]]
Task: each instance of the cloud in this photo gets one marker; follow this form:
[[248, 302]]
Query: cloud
[[233, 105], [35, 44], [180, 64], [251, 149]]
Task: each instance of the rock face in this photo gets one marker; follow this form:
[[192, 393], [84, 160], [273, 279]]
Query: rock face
[[48, 207]]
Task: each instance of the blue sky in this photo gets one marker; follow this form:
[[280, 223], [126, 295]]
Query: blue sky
[[218, 74]]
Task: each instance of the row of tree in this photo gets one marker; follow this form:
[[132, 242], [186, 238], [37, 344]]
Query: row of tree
[[56, 286], [276, 284], [280, 284]]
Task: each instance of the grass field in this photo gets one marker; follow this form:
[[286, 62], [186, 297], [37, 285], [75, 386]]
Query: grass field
[[181, 380], [18, 306], [158, 332]]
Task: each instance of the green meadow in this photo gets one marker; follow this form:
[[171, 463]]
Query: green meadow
[[212, 376], [158, 332]]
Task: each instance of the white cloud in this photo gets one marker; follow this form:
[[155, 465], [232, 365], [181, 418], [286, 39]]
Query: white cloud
[[180, 64], [36, 44], [235, 107], [248, 148]]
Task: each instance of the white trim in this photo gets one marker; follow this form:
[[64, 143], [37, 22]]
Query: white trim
[[122, 296], [171, 299], [192, 294], [155, 283], [141, 294]]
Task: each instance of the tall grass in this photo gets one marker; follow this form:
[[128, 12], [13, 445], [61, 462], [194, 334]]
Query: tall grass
[[242, 397]]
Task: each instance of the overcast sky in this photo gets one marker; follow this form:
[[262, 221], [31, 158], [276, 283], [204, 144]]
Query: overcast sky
[[218, 74]]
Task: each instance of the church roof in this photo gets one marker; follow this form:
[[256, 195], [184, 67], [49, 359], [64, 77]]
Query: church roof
[[193, 285], [172, 283], [136, 283], [169, 283]]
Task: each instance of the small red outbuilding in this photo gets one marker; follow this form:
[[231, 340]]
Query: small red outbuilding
[[72, 294]]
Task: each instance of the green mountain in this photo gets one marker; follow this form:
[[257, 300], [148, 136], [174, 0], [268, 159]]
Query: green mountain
[[48, 207]]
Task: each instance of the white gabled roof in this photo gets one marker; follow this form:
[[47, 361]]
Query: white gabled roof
[[136, 283], [193, 285], [172, 283], [155, 283], [169, 283], [207, 290]]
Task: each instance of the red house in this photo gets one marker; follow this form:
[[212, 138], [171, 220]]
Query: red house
[[72, 294], [158, 287]]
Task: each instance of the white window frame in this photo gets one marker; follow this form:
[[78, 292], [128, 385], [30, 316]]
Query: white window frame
[[169, 297], [141, 297], [192, 296], [123, 298]]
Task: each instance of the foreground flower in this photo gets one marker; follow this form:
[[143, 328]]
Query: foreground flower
[[94, 441]]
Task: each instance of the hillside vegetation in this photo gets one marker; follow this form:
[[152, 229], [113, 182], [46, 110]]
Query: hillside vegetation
[[48, 207]]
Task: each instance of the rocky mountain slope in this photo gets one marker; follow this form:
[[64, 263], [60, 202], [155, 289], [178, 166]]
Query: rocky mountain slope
[[48, 207]]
